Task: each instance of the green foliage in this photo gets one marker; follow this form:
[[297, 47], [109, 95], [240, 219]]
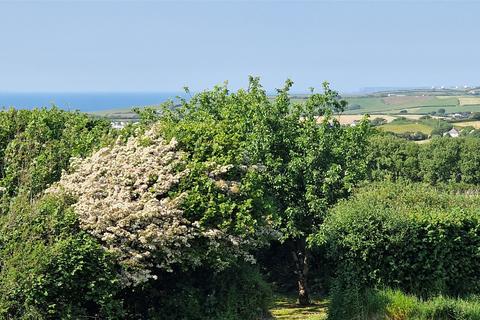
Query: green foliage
[[442, 160], [50, 268], [409, 236], [235, 293], [413, 136], [394, 304], [309, 164], [440, 127], [392, 158], [36, 145], [217, 129], [292, 160], [378, 122]]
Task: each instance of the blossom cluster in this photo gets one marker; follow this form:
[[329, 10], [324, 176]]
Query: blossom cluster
[[123, 199]]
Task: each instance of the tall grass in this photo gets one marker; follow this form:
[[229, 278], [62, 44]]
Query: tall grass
[[396, 305]]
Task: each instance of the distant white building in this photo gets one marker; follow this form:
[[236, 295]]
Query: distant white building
[[454, 133], [118, 124]]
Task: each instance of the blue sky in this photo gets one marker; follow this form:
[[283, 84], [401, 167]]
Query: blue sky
[[162, 46]]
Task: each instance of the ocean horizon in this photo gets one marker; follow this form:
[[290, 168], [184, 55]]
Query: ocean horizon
[[85, 101]]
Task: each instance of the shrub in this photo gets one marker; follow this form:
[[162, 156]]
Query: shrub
[[52, 269], [408, 236]]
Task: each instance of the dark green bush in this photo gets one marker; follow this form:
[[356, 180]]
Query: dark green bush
[[408, 236], [202, 294], [50, 268]]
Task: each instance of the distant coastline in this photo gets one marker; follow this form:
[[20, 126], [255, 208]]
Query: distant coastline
[[85, 101]]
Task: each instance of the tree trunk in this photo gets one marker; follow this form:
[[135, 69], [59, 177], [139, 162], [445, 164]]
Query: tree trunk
[[300, 256]]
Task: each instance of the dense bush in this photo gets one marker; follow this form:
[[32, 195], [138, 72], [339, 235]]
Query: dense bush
[[442, 160], [408, 236], [392, 158], [50, 268]]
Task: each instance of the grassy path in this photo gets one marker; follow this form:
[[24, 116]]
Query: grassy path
[[286, 308]]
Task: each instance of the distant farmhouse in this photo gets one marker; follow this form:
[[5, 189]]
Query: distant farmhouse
[[454, 133]]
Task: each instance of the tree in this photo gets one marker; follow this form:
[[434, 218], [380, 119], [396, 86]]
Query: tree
[[441, 111], [311, 164], [302, 160], [392, 158], [440, 159]]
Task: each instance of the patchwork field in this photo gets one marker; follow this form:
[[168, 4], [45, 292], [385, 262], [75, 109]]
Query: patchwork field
[[413, 104]]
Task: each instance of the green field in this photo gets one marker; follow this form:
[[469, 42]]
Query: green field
[[407, 127], [413, 104]]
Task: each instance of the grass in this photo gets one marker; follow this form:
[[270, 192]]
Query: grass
[[285, 307], [383, 304], [394, 304]]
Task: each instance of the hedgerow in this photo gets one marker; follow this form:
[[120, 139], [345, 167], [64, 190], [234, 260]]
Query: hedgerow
[[411, 237]]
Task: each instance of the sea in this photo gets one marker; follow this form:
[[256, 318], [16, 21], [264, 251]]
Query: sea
[[85, 101]]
